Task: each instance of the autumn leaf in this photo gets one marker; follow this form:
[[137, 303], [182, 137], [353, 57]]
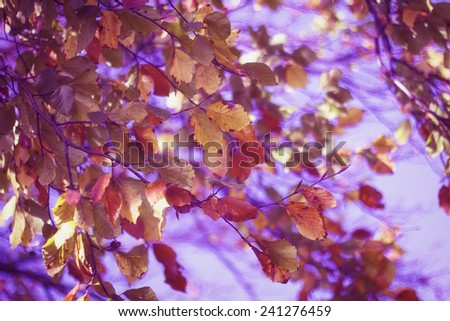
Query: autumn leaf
[[379, 163], [131, 191], [181, 66], [208, 78], [63, 211], [63, 99], [109, 29], [112, 203], [370, 197], [155, 192], [141, 294], [202, 50], [319, 197], [444, 198], [180, 198], [172, 269], [230, 208], [98, 190], [56, 251], [160, 84], [83, 255], [296, 76], [352, 117], [384, 144], [309, 220], [134, 263], [218, 25], [277, 258], [403, 132], [205, 131], [122, 115], [228, 117], [46, 170], [260, 72]]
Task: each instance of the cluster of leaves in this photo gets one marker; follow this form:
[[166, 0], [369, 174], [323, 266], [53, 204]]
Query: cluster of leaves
[[85, 73]]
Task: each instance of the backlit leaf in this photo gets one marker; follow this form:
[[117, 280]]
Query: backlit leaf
[[181, 66], [309, 220], [228, 117], [219, 26], [319, 197], [134, 263]]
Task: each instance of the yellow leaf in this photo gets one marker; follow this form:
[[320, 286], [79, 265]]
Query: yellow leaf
[[56, 251], [182, 66], [384, 144], [109, 29], [84, 216], [83, 255], [296, 76], [63, 211], [208, 78], [132, 192], [403, 132], [134, 263], [205, 130], [8, 210], [353, 117], [228, 118], [219, 26]]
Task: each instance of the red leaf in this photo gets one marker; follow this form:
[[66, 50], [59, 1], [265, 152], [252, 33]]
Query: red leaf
[[161, 84], [98, 190], [94, 50], [370, 197], [444, 198], [407, 294], [309, 219], [240, 166], [172, 269], [231, 208], [113, 203], [180, 198], [155, 192]]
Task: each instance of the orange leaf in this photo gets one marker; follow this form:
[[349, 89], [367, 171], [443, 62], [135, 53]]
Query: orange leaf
[[155, 192], [309, 219], [231, 208], [113, 203], [370, 197], [180, 198], [319, 197], [172, 269], [109, 29], [98, 190]]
